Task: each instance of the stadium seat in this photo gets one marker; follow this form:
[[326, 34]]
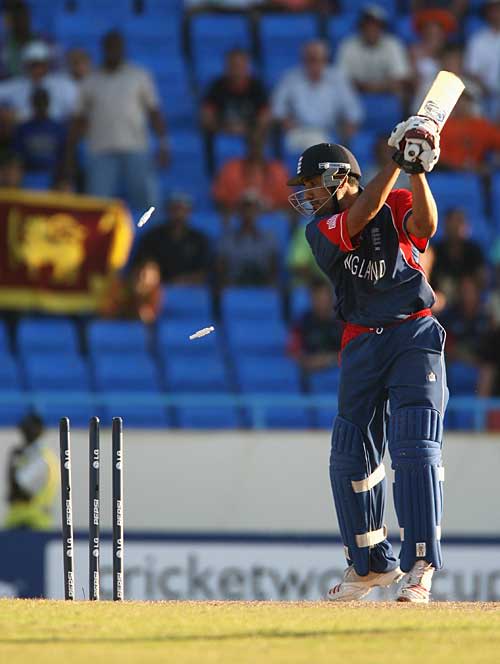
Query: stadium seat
[[187, 302], [130, 371], [14, 405], [37, 181], [209, 222], [4, 338], [288, 418], [203, 417], [362, 146], [47, 334], [462, 378], [208, 374], [142, 416], [340, 27], [251, 303], [267, 375], [256, 337], [55, 370], [300, 302], [382, 112], [10, 374], [173, 338], [211, 37], [324, 382], [79, 411], [461, 190], [228, 147], [278, 224], [117, 337]]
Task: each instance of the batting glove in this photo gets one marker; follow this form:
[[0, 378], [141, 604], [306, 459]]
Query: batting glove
[[417, 144]]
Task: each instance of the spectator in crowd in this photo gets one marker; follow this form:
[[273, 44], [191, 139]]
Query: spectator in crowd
[[17, 35], [468, 139], [316, 338], [220, 5], [7, 127], [489, 353], [373, 60], [78, 64], [434, 27], [382, 155], [457, 7], [11, 171], [482, 58], [315, 103], [457, 256], [247, 256], [465, 322], [40, 140], [116, 102], [300, 261], [137, 295], [32, 479], [182, 253], [17, 91], [266, 177], [427, 260], [235, 103]]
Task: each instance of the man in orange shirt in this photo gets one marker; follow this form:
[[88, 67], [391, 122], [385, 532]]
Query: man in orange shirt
[[468, 139], [263, 177]]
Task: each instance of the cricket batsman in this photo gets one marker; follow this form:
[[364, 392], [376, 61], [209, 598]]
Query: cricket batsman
[[393, 384]]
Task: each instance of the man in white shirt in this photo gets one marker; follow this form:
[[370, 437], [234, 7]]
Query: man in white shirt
[[482, 58], [315, 102], [116, 104], [374, 61], [17, 92]]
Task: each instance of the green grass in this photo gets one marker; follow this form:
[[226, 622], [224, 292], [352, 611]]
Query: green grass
[[40, 631]]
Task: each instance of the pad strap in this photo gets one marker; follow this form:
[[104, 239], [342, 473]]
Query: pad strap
[[371, 538], [359, 486]]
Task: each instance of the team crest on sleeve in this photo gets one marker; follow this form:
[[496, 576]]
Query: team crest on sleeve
[[332, 222]]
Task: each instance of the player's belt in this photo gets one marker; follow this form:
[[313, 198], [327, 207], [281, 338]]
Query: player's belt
[[351, 330]]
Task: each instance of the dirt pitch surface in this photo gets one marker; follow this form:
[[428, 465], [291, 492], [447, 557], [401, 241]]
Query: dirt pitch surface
[[41, 631]]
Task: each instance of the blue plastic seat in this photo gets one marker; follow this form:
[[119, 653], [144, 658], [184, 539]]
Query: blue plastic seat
[[14, 405], [445, 187], [267, 375], [203, 417], [228, 147], [52, 371], [10, 374], [117, 336], [79, 411], [362, 145], [289, 417], [324, 417], [46, 334], [173, 338], [207, 374], [187, 302], [209, 222], [141, 416], [462, 378], [278, 224], [382, 112], [285, 33], [256, 337], [211, 37], [130, 371], [300, 302], [4, 338], [324, 382], [341, 26], [37, 181], [251, 303]]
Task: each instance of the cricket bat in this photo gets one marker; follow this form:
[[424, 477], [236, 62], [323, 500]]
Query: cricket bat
[[441, 98]]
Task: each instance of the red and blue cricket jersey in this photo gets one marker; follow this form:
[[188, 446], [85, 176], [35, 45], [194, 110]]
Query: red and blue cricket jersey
[[376, 274]]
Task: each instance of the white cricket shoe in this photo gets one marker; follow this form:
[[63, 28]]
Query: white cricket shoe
[[353, 586], [416, 586]]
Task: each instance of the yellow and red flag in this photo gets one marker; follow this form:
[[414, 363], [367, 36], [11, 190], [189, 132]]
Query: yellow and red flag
[[59, 250]]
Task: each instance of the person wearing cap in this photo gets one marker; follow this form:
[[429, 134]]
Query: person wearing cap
[[392, 391], [181, 252], [17, 91], [315, 99], [373, 60], [247, 255], [482, 57]]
